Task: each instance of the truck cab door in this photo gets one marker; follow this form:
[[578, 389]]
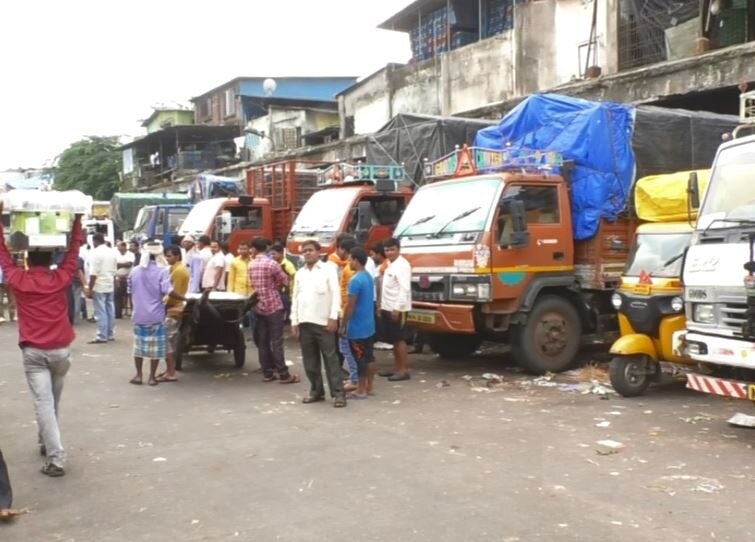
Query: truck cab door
[[532, 235]]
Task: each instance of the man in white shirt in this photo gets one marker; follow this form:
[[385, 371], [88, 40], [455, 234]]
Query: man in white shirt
[[395, 303], [101, 289], [315, 306], [213, 277], [124, 261]]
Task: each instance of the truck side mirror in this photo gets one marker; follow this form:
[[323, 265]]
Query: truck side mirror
[[520, 236], [693, 191], [364, 216]]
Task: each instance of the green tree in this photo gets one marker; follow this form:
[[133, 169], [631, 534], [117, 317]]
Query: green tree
[[91, 165]]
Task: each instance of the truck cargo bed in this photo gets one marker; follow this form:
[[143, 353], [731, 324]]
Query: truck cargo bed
[[600, 261]]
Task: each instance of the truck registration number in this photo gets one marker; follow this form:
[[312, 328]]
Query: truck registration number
[[751, 392], [420, 317]]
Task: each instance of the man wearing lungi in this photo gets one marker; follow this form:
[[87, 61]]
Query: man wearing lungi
[[149, 283]]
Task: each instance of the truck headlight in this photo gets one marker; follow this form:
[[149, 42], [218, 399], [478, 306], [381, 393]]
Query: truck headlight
[[479, 291], [677, 304], [703, 313], [616, 301]]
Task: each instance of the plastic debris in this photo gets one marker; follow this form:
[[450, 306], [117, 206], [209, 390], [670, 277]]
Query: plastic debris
[[466, 378], [700, 417], [492, 377], [159, 460], [742, 420], [442, 384], [603, 424], [610, 444]]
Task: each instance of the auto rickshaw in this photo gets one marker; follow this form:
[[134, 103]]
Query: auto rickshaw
[[650, 306]]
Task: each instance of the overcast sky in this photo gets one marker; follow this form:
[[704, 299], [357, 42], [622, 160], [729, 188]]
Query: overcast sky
[[91, 67]]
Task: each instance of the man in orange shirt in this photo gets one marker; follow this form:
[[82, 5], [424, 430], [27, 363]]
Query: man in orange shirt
[[344, 244]]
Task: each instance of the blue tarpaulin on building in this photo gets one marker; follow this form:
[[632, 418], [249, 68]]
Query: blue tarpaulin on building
[[597, 137]]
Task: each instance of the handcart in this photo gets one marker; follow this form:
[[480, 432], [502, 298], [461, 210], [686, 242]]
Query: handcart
[[211, 321]]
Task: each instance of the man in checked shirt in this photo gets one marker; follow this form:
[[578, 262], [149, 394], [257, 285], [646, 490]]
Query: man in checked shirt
[[268, 279]]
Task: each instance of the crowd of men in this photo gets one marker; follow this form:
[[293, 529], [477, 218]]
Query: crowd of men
[[337, 307]]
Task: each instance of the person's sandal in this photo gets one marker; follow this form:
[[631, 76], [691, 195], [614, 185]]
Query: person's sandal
[[313, 399], [50, 469], [270, 378], [290, 379], [339, 402], [397, 377]]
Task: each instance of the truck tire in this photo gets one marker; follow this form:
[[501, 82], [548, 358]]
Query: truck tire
[[239, 351], [178, 354], [449, 346], [630, 376], [550, 339]]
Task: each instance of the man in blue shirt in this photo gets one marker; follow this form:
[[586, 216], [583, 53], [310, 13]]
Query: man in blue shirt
[[358, 321]]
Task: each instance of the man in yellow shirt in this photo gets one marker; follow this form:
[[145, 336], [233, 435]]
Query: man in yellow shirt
[[179, 278], [238, 272]]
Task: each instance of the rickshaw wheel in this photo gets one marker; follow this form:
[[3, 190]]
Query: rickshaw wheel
[[631, 375]]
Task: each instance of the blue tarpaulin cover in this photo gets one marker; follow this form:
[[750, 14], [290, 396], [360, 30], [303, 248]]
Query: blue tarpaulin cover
[[596, 136]]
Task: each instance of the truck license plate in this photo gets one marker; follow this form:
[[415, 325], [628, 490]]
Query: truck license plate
[[420, 317], [751, 392]]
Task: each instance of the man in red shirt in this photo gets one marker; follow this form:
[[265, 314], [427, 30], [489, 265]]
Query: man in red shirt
[[45, 335], [267, 279]]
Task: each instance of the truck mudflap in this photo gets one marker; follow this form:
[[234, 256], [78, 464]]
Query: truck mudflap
[[442, 318], [721, 386]]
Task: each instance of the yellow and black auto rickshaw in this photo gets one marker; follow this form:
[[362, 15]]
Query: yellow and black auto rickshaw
[[650, 305]]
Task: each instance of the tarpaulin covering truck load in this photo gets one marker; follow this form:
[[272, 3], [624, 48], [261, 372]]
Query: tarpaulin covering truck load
[[525, 243], [719, 270]]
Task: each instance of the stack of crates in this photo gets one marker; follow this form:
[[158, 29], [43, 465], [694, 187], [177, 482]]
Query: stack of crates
[[430, 36], [499, 17], [41, 219]]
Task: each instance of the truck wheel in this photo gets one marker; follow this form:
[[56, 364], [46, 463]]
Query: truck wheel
[[630, 376], [549, 341], [239, 351], [450, 346]]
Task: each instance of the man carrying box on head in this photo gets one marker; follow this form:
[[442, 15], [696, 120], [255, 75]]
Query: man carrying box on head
[[45, 334]]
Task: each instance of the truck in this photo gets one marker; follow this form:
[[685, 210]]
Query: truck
[[365, 200], [125, 206], [719, 270], [230, 220], [161, 222], [287, 185], [493, 258]]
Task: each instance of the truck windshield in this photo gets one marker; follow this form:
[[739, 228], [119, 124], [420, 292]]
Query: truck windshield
[[657, 254], [201, 216], [439, 207], [324, 211], [731, 193], [141, 220]]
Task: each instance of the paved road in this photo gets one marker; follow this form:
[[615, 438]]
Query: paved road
[[222, 456]]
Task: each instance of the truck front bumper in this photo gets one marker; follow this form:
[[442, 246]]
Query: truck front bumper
[[442, 318], [715, 350], [724, 387]]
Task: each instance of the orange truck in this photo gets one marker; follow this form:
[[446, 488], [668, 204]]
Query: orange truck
[[493, 258], [363, 199]]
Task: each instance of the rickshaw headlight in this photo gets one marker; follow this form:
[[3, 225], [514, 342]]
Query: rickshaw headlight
[[677, 304], [616, 301]]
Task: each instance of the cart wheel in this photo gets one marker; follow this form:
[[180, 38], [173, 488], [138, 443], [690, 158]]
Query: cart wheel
[[178, 354], [239, 351]]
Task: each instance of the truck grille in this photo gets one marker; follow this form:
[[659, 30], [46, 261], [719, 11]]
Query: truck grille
[[430, 288], [732, 316]]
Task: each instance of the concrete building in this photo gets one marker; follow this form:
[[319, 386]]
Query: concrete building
[[606, 49]]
